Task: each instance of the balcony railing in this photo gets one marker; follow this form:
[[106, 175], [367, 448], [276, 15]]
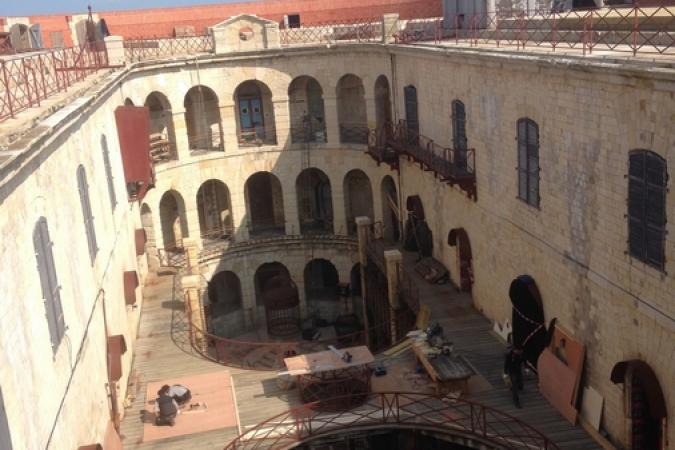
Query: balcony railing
[[266, 228], [26, 81], [162, 47], [353, 133], [256, 137], [378, 146], [358, 30], [486, 426], [212, 142], [308, 134]]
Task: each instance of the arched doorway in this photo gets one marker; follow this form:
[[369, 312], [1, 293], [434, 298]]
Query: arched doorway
[[174, 222], [150, 243], [277, 299], [321, 290], [224, 313], [529, 329], [305, 98], [202, 119], [162, 132], [265, 204], [460, 240], [418, 235], [390, 210], [255, 114], [315, 202], [351, 105], [645, 406], [128, 102], [215, 210], [382, 102], [358, 198]]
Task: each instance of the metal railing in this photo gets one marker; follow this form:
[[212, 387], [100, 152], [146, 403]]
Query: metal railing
[[141, 49], [212, 141], [378, 145], [353, 133], [395, 410], [357, 30], [268, 355], [308, 134], [257, 136], [26, 81], [632, 30]]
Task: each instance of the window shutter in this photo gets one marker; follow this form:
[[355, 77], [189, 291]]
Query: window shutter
[[411, 115], [86, 212], [522, 160], [108, 172], [459, 125]]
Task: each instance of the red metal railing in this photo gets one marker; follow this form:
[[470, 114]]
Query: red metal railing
[[160, 47], [26, 81], [357, 30], [396, 410], [267, 355], [648, 30]]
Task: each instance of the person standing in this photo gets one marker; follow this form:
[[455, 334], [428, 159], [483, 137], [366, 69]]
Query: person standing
[[513, 371]]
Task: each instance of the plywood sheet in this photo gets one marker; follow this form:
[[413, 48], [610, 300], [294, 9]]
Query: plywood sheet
[[557, 383], [591, 406], [327, 360]]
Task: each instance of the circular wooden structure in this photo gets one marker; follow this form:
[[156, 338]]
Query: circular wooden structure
[[282, 310]]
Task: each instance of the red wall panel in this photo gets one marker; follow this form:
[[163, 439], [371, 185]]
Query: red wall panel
[[133, 130]]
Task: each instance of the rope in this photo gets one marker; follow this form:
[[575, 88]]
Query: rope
[[527, 319]]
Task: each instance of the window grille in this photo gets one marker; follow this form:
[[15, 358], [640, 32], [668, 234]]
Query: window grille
[[647, 181], [49, 282], [528, 161], [83, 187]]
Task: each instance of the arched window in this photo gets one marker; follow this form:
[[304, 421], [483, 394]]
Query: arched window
[[83, 188], [528, 161], [51, 296], [647, 180]]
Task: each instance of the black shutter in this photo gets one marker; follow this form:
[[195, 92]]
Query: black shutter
[[533, 163], [459, 125], [411, 115], [522, 160]]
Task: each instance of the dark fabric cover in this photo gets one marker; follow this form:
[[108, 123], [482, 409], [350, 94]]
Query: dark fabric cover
[[528, 316], [166, 406]]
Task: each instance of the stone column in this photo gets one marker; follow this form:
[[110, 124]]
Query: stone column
[[282, 121], [193, 303], [180, 129], [332, 125], [371, 115], [114, 45], [228, 120], [191, 255], [393, 262], [389, 27], [339, 213]]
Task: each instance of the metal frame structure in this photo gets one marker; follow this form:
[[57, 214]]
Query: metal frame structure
[[141, 49], [28, 80], [396, 410], [356, 30]]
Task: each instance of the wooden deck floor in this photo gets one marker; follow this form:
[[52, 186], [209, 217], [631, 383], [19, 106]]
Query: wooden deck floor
[[162, 351]]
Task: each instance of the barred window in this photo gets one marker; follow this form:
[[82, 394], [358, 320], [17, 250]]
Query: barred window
[[83, 187], [528, 161], [49, 282], [108, 171], [647, 181]]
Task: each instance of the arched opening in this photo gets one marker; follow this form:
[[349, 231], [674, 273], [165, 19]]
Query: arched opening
[[202, 119], [19, 36], [351, 106], [315, 202], [358, 198], [255, 114], [460, 240], [150, 243], [162, 132], [382, 102], [390, 210], [128, 102], [305, 98], [646, 411], [418, 235], [215, 210], [277, 295], [174, 222], [529, 330], [265, 203], [411, 111], [224, 313], [321, 290]]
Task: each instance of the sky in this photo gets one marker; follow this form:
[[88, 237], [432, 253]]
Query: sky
[[35, 7]]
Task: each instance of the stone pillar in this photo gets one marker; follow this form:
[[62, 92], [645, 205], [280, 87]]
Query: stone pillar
[[272, 35], [371, 115], [363, 232], [193, 303], [282, 121], [191, 255], [393, 262], [180, 128], [192, 219], [228, 121], [389, 27], [114, 45], [332, 125], [339, 213]]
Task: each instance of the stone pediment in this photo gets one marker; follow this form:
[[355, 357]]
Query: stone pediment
[[247, 18]]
